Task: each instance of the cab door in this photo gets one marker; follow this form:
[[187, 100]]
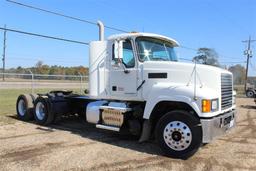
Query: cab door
[[123, 72]]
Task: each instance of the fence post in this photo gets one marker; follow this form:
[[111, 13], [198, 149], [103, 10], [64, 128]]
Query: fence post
[[81, 77], [32, 81]]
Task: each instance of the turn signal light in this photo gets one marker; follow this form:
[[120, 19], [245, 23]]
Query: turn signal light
[[206, 106]]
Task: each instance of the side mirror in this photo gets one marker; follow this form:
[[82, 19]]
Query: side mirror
[[119, 50]]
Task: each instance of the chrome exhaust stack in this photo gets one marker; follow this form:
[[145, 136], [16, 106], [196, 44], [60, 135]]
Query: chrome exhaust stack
[[101, 30]]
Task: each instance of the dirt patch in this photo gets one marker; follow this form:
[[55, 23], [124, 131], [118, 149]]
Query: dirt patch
[[75, 145]]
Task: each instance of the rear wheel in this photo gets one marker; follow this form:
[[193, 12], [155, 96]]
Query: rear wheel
[[178, 134], [42, 112], [24, 107]]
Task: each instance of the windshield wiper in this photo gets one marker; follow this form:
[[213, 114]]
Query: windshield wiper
[[159, 59]]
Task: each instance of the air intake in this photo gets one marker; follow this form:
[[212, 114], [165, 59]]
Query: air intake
[[226, 91]]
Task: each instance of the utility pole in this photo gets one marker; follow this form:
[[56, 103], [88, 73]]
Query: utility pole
[[248, 53], [4, 47]]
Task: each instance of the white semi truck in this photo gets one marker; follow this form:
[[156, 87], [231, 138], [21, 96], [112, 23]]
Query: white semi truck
[[137, 84]]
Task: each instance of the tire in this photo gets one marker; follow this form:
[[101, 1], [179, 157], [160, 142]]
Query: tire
[[178, 134], [249, 93], [42, 111], [24, 107], [82, 114]]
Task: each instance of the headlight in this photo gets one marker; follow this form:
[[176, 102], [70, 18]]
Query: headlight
[[210, 105], [234, 100], [215, 104]]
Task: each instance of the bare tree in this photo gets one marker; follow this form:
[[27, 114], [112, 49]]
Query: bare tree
[[207, 56], [238, 74]]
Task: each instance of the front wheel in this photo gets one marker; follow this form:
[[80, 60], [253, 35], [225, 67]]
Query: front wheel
[[178, 134]]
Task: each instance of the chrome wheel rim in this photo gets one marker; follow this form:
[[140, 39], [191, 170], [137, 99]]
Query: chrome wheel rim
[[177, 135], [22, 107], [40, 110]]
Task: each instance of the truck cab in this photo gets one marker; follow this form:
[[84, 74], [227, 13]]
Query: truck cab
[[137, 83], [144, 68]]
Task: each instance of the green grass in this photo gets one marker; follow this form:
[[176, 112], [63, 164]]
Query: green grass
[[8, 99]]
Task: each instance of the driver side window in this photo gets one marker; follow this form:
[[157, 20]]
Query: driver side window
[[128, 56]]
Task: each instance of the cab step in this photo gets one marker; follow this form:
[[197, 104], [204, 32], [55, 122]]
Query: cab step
[[111, 128]]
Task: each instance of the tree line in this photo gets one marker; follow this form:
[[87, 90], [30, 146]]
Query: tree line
[[205, 56], [209, 56], [41, 68]]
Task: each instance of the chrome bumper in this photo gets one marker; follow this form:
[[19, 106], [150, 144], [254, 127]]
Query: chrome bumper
[[217, 126]]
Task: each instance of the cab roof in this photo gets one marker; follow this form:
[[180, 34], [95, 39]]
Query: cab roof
[[131, 35]]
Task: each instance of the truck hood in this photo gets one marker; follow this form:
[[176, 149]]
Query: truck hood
[[180, 74]]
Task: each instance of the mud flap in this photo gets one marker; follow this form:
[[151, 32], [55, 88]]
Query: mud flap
[[146, 131]]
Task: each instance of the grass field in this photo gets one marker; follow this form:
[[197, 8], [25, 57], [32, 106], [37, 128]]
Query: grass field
[[8, 99]]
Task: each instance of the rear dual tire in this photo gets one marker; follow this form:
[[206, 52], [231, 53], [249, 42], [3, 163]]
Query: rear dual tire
[[32, 106], [42, 111], [25, 105]]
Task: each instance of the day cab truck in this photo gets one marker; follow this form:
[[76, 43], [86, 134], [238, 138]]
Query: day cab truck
[[137, 84]]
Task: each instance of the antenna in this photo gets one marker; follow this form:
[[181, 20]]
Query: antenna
[[195, 79]]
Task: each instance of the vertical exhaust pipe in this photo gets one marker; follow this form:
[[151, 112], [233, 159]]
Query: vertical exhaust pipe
[[101, 30]]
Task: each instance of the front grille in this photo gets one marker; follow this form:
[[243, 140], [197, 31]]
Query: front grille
[[226, 91]]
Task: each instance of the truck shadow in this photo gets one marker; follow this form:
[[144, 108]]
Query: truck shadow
[[78, 126], [248, 106]]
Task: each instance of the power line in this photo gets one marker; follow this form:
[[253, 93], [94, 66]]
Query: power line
[[45, 61], [185, 59], [44, 36], [233, 62], [64, 15], [196, 50], [41, 56], [188, 48], [226, 17], [78, 19]]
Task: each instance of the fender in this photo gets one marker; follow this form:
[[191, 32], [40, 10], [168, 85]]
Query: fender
[[166, 92], [175, 93], [152, 103]]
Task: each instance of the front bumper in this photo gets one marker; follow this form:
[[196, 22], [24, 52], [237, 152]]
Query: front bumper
[[217, 126]]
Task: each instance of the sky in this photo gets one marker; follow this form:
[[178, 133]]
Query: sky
[[217, 24]]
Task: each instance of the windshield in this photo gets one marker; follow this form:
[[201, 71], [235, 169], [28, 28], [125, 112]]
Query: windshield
[[152, 49]]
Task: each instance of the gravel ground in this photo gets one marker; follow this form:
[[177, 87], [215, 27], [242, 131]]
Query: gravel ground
[[74, 145]]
